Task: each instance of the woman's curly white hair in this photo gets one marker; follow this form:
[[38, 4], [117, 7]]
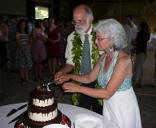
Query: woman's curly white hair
[[114, 31]]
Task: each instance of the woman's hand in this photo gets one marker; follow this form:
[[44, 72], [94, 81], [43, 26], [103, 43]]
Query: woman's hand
[[71, 87]]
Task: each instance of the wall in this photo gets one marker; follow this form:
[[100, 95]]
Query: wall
[[21, 8], [142, 11], [13, 7]]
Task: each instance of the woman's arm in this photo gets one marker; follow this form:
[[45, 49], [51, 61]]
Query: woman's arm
[[18, 41], [121, 71], [92, 92], [30, 41], [87, 78], [33, 34], [116, 80]]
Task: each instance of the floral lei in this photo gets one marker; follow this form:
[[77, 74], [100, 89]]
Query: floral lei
[[77, 54]]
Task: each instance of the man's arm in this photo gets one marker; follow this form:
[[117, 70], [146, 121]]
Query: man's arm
[[66, 69]]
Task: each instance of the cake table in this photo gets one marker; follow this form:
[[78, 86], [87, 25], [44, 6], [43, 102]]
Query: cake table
[[69, 110]]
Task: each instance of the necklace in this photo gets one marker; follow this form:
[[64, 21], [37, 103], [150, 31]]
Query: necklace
[[77, 51], [77, 54]]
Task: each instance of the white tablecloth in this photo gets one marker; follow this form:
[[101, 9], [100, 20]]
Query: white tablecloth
[[69, 110]]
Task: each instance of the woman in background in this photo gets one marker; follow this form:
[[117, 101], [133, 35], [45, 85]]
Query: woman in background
[[141, 45], [53, 46], [38, 49], [23, 53]]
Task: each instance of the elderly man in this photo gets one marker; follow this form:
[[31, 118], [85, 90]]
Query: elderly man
[[81, 54]]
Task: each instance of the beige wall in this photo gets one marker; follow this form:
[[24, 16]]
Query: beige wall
[[12, 7], [17, 7], [142, 11]]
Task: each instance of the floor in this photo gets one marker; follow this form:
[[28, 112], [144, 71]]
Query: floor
[[13, 92]]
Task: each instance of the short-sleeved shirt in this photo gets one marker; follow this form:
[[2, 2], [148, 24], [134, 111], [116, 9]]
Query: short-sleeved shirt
[[68, 53]]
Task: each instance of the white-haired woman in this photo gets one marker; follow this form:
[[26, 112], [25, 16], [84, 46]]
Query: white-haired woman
[[114, 75]]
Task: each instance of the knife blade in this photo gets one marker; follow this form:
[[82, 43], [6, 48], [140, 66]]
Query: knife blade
[[18, 117], [15, 110], [49, 83]]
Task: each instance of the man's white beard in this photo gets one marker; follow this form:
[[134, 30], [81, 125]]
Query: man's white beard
[[82, 29]]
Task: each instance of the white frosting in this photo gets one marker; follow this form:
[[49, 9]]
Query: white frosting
[[43, 103], [42, 117], [26, 127]]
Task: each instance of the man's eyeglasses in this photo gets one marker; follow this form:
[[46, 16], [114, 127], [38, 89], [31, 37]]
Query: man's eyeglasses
[[77, 22]]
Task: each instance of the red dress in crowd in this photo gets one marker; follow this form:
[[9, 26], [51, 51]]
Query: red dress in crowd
[[53, 48]]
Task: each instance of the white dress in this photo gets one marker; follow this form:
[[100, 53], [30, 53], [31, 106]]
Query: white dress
[[121, 110]]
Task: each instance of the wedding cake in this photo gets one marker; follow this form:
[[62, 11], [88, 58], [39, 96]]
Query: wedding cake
[[42, 109]]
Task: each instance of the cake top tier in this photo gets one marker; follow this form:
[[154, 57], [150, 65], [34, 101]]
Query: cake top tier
[[42, 93]]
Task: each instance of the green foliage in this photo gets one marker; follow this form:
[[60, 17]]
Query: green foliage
[[77, 54]]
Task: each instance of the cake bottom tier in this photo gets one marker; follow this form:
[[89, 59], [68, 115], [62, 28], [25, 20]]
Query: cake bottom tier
[[35, 124]]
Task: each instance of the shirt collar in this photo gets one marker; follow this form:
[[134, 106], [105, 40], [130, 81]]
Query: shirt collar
[[89, 31]]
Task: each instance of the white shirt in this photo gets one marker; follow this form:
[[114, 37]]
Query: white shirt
[[68, 53], [131, 33], [152, 40]]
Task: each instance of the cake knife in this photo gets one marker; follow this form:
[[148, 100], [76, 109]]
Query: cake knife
[[18, 117], [49, 83], [15, 110]]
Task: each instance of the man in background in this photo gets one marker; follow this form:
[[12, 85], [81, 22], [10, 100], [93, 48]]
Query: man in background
[[131, 32]]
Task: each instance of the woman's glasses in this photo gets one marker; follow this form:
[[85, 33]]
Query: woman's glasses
[[100, 38]]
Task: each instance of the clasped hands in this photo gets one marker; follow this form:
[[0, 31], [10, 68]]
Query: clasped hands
[[61, 78]]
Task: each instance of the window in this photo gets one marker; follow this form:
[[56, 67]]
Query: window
[[41, 12]]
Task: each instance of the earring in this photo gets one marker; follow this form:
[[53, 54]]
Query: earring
[[111, 49]]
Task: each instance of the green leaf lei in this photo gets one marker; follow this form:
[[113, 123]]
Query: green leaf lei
[[77, 54]]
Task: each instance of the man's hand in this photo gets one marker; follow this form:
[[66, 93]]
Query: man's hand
[[66, 69], [64, 78], [61, 78], [58, 76]]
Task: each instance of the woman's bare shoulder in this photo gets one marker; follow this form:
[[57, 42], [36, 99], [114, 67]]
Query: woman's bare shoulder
[[123, 57]]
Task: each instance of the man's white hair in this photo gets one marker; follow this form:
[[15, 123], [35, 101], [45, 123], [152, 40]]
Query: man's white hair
[[88, 10], [114, 31]]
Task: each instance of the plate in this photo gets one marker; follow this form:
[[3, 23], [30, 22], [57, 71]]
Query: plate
[[56, 126], [87, 121]]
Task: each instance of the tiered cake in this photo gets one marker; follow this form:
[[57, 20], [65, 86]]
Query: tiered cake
[[42, 109]]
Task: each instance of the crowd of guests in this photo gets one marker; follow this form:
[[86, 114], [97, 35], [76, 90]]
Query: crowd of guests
[[45, 41], [28, 44], [138, 37]]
